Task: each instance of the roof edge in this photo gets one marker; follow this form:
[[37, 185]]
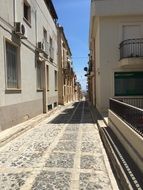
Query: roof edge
[[51, 8]]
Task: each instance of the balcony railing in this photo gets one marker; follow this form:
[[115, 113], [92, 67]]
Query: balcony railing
[[66, 65], [90, 66], [137, 102], [131, 48], [133, 116]]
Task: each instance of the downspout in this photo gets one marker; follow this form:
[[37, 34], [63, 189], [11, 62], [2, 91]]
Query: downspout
[[44, 87], [14, 11], [36, 27]]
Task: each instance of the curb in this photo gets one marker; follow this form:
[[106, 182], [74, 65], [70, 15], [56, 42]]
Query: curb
[[121, 177], [110, 172], [128, 175]]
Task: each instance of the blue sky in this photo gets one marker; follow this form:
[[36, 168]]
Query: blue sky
[[74, 17]]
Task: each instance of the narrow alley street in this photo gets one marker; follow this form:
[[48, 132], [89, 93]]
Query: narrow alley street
[[71, 95], [65, 153]]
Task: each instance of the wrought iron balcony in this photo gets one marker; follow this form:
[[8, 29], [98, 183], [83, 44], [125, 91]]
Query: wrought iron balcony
[[66, 65], [131, 48]]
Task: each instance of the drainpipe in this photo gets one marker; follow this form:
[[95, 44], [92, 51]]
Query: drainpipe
[[36, 27], [44, 87], [14, 11]]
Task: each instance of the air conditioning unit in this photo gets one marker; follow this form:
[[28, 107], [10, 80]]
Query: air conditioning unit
[[40, 46], [20, 29]]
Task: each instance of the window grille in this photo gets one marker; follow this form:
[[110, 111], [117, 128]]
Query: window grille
[[12, 67]]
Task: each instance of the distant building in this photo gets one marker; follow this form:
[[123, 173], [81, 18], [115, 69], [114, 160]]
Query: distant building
[[28, 60], [116, 51], [66, 75], [78, 92]]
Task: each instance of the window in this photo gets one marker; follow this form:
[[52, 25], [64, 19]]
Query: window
[[128, 83], [47, 77], [63, 61], [64, 90], [51, 50], [55, 104], [56, 81], [64, 81], [39, 76], [46, 46], [45, 34], [27, 11], [50, 107], [51, 42], [12, 65]]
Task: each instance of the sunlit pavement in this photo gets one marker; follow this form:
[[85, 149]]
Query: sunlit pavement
[[66, 153]]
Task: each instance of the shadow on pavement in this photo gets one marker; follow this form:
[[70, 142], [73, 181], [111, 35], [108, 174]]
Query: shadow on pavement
[[79, 115]]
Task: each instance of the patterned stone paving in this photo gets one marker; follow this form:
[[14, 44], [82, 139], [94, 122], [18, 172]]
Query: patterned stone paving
[[60, 160], [52, 180], [71, 136], [98, 180], [66, 146], [55, 157], [9, 181], [92, 162]]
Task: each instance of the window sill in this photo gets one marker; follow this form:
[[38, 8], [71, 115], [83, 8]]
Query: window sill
[[13, 91], [39, 90], [27, 22]]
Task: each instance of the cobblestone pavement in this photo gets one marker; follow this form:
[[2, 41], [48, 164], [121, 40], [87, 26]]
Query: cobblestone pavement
[[64, 154]]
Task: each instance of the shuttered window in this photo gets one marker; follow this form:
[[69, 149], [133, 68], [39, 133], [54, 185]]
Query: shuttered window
[[12, 67], [27, 11], [128, 83]]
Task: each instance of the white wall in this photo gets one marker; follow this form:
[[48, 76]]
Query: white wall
[[28, 69], [97, 62], [108, 33], [6, 11], [117, 7], [40, 18]]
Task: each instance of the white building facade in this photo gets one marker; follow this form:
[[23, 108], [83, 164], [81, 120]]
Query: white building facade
[[28, 60], [116, 50]]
